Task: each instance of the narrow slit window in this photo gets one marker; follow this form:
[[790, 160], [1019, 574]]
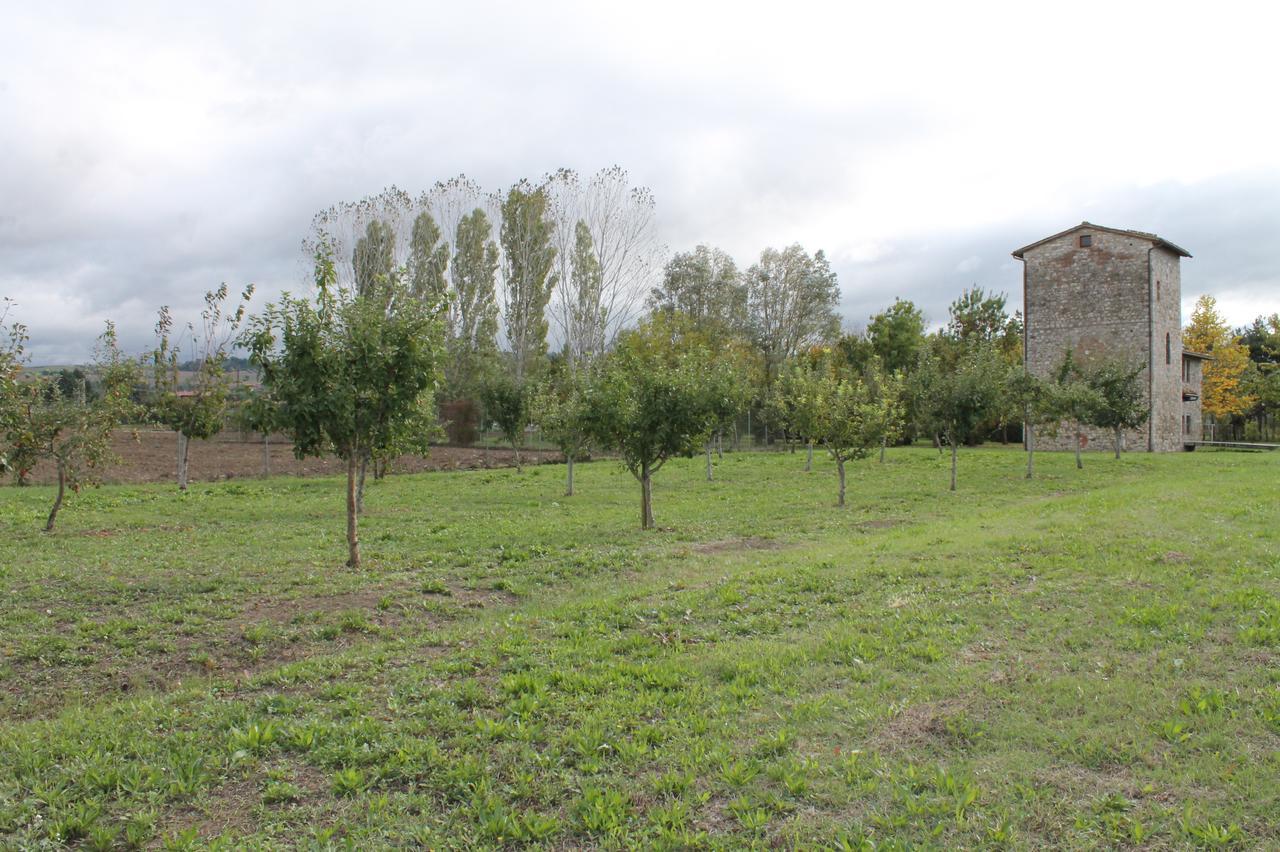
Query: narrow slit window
[[1168, 350]]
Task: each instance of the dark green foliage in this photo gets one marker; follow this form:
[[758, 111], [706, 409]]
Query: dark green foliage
[[73, 384], [1121, 398], [507, 404], [977, 318], [897, 336], [791, 303], [957, 390], [652, 401], [560, 407], [705, 286]]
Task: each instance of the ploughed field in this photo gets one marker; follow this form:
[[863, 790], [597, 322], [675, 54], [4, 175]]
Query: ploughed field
[[1091, 658], [150, 455]]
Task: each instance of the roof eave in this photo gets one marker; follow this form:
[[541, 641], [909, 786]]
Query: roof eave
[[1159, 241]]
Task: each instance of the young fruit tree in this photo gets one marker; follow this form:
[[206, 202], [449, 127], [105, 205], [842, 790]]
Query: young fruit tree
[[789, 400], [957, 389], [1035, 398], [1076, 400], [351, 375], [726, 390], [850, 414], [506, 403], [559, 407], [1121, 401], [649, 403], [195, 408], [73, 432]]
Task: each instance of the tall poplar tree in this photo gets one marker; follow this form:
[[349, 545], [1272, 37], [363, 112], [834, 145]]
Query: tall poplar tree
[[527, 258], [475, 334], [373, 259], [586, 314], [428, 260]]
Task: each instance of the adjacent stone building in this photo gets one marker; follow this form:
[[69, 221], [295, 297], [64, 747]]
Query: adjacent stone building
[[1108, 293]]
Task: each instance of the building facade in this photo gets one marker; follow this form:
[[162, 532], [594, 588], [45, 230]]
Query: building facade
[[1104, 293]]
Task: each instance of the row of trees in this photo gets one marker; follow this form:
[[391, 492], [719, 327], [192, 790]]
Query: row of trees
[[354, 373]]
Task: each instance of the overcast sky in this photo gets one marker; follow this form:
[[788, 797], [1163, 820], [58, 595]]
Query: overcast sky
[[150, 151]]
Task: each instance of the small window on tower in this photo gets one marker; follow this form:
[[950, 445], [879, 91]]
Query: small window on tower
[[1157, 291], [1086, 240], [1168, 350]]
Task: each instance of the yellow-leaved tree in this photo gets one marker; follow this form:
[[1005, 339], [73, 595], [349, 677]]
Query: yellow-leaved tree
[[1224, 392]]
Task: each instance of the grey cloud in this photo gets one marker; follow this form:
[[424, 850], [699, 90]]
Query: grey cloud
[[304, 110]]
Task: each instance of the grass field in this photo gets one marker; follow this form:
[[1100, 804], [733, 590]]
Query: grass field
[[1089, 659]]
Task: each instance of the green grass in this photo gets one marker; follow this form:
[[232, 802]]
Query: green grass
[[1089, 659]]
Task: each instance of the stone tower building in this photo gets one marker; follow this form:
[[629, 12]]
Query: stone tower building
[[1107, 293]]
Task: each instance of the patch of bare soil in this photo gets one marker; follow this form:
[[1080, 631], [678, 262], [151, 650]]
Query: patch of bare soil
[[879, 523], [151, 456], [229, 808], [1174, 557], [735, 544], [918, 724]]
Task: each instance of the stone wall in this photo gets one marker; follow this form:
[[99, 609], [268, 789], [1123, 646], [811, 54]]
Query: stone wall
[[1096, 302], [1166, 410]]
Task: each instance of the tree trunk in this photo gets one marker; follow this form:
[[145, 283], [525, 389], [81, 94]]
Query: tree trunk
[[937, 443], [266, 453], [720, 445], [808, 459], [709, 476], [1029, 431], [954, 451], [353, 538], [183, 445], [646, 499], [1119, 440], [364, 470], [884, 442], [57, 501], [1079, 461], [840, 469], [568, 488], [515, 449]]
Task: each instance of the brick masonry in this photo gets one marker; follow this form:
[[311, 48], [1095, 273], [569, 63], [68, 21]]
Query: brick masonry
[[1118, 296]]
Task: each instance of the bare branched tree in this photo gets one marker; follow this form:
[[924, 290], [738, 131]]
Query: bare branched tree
[[607, 226]]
